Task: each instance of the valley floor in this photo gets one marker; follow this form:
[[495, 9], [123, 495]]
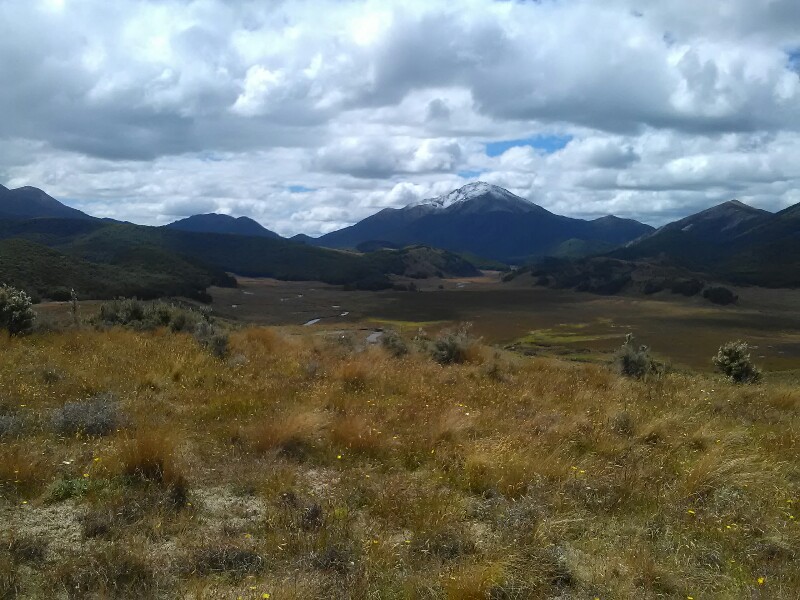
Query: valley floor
[[138, 465], [684, 331]]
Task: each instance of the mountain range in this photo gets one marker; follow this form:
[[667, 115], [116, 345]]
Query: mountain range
[[48, 247], [732, 240], [488, 221]]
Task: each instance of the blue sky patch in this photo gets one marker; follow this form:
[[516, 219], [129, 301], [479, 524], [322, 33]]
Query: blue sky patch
[[546, 143], [299, 189], [793, 58], [469, 174]]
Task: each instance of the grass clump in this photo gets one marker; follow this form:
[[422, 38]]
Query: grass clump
[[334, 558], [226, 558], [10, 584], [149, 457], [290, 435], [733, 360], [112, 572], [97, 416], [26, 548]]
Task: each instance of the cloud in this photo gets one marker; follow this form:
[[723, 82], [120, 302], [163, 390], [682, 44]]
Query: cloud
[[150, 110], [377, 158]]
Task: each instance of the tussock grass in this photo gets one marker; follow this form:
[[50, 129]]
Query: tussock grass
[[373, 475]]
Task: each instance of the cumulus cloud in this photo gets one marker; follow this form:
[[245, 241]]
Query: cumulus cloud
[[150, 110]]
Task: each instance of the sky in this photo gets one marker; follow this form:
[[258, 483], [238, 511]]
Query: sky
[[310, 115]]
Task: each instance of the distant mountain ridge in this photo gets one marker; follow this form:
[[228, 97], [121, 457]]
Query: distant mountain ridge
[[32, 203], [479, 222], [724, 221], [47, 256], [217, 223], [732, 240], [485, 220]]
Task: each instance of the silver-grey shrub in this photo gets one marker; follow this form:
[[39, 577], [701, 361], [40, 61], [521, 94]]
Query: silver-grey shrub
[[212, 339], [16, 311], [10, 425], [733, 360], [394, 344], [633, 360], [96, 416], [452, 347]]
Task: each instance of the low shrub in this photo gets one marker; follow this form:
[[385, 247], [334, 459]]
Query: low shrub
[[733, 360], [212, 339], [686, 287], [66, 489], [394, 344], [720, 295], [632, 360], [16, 312], [652, 287], [10, 425], [453, 347], [96, 416], [142, 316], [59, 294]]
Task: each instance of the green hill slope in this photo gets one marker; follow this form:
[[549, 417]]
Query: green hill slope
[[47, 273], [156, 261]]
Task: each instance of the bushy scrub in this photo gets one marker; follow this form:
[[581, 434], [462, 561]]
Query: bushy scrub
[[96, 416], [133, 313], [10, 425], [733, 360], [16, 312], [453, 347], [394, 344], [212, 338], [686, 287], [633, 360], [720, 295]]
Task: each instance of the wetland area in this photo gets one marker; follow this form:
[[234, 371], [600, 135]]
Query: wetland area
[[536, 320]]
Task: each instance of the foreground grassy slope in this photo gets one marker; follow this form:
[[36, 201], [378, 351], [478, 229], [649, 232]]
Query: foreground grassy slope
[[301, 468]]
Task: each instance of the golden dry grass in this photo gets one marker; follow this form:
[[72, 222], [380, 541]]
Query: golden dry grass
[[302, 468]]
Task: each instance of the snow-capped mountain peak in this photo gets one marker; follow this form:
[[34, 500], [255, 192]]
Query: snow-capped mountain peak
[[471, 191]]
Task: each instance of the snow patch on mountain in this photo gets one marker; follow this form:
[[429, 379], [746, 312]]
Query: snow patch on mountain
[[467, 193]]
